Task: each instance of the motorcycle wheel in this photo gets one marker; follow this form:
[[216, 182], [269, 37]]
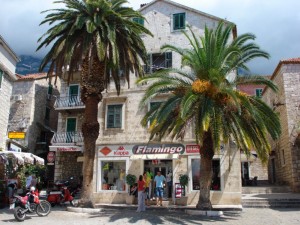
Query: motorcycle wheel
[[43, 209], [19, 214]]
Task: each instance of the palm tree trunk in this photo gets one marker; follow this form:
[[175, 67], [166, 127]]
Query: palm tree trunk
[[92, 84], [207, 154]]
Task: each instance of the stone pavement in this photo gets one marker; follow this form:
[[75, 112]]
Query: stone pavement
[[122, 216]]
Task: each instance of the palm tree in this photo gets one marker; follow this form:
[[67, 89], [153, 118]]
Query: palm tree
[[204, 95], [101, 38]]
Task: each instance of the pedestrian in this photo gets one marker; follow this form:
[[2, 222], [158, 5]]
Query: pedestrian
[[28, 180], [141, 195], [12, 187], [159, 183], [147, 180]]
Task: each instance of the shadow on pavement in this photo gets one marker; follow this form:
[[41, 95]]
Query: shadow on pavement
[[161, 216]]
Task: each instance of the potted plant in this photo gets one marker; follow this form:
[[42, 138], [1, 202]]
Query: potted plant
[[183, 180], [131, 181]]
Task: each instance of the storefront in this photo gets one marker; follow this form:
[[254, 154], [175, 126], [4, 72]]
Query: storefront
[[115, 161]]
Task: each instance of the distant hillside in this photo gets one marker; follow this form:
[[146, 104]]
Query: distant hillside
[[29, 64]]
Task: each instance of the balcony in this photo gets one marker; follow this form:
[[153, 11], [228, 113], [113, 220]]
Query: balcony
[[67, 137], [69, 102]]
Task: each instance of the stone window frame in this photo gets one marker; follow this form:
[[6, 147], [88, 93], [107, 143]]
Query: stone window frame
[[190, 184], [99, 173]]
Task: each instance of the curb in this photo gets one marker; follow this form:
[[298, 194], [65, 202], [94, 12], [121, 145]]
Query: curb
[[204, 213], [83, 210]]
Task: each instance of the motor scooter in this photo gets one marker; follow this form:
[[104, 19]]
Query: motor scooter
[[30, 203], [60, 195]]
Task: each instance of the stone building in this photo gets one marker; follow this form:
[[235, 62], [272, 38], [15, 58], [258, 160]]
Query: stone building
[[284, 166], [251, 166], [31, 111], [8, 61], [123, 146]]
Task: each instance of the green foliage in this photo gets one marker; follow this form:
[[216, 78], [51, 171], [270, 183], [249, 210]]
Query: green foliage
[[184, 179], [101, 29], [37, 170], [206, 95], [130, 179]]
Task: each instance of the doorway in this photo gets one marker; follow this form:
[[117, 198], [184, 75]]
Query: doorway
[[166, 168]]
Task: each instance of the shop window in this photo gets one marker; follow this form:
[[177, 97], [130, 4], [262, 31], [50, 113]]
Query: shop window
[[178, 21], [113, 175], [215, 183], [114, 116]]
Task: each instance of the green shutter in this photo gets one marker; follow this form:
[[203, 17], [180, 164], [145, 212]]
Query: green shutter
[[1, 75], [178, 21], [114, 116], [258, 92], [139, 21], [50, 89], [71, 124], [168, 56]]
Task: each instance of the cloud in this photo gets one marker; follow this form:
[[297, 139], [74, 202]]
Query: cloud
[[274, 22]]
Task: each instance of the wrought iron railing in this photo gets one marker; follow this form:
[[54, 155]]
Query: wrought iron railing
[[68, 102], [67, 137]]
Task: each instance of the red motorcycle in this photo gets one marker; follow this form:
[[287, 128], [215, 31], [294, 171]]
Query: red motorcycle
[[60, 195], [29, 204]]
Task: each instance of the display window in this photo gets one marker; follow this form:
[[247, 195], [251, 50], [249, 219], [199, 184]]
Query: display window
[[195, 174], [112, 175]]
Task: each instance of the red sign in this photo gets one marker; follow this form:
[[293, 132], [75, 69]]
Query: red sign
[[178, 190], [51, 157], [121, 152], [192, 149], [105, 150]]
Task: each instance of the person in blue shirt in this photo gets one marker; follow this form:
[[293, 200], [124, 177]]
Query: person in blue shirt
[[159, 182]]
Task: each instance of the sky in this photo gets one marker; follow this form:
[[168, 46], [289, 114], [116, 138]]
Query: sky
[[275, 23]]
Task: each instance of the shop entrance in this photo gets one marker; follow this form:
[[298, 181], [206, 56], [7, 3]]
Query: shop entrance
[[165, 166]]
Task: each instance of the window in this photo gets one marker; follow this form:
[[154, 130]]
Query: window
[[258, 92], [113, 175], [216, 181], [158, 61], [114, 116], [178, 21], [139, 21], [1, 75]]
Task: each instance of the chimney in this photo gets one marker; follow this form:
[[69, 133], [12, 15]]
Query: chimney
[[142, 5]]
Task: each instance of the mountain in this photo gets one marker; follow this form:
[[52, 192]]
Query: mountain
[[29, 64]]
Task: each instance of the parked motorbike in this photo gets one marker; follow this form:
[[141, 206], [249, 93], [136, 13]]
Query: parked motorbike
[[60, 194], [30, 203]]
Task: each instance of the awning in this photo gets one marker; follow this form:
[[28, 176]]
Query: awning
[[154, 156], [38, 160], [23, 157], [18, 157]]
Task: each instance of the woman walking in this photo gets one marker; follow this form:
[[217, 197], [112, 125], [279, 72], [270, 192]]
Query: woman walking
[[141, 194]]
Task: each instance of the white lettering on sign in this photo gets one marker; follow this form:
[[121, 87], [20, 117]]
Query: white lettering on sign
[[158, 149]]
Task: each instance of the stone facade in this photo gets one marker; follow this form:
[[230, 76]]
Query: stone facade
[[284, 167], [8, 61], [30, 102], [121, 140]]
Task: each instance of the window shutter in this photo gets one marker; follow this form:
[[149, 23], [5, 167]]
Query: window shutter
[[168, 56], [118, 116], [110, 116]]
